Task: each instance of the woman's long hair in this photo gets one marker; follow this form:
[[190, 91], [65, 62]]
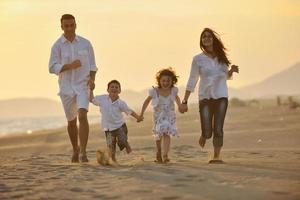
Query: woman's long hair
[[218, 47]]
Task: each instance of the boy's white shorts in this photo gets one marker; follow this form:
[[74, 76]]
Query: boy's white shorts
[[72, 104]]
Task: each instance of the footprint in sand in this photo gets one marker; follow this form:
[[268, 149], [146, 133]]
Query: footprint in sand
[[142, 191], [170, 198], [178, 185]]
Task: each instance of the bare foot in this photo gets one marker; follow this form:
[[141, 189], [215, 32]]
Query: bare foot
[[166, 159], [75, 156], [104, 158], [216, 161], [202, 141], [128, 148], [83, 158], [158, 157]]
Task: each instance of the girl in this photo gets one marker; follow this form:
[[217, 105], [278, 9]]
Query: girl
[[212, 67], [164, 118]]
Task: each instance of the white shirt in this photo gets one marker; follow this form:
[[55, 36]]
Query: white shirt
[[213, 77], [72, 82], [111, 112]]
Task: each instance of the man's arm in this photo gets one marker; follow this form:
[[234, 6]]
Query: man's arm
[[55, 66], [75, 64], [91, 82]]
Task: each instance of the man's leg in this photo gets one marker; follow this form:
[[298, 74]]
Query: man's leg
[[73, 135], [70, 108], [83, 132]]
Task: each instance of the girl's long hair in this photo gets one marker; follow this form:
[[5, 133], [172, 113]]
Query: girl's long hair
[[218, 47]]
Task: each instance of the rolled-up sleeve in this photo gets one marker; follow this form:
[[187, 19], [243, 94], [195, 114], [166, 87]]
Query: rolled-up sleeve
[[97, 100], [55, 65], [194, 76], [93, 66]]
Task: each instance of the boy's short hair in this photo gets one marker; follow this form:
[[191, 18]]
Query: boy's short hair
[[114, 81], [66, 16]]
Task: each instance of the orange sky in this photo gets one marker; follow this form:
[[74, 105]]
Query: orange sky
[[132, 39]]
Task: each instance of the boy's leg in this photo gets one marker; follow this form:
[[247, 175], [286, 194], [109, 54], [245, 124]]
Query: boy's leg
[[111, 144], [122, 139], [166, 147], [113, 148]]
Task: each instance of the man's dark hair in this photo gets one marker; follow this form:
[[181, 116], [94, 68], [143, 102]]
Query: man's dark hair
[[66, 16], [114, 81]]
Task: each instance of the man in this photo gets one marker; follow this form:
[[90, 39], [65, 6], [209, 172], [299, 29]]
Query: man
[[72, 59]]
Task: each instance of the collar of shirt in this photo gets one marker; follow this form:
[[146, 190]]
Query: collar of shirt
[[63, 39], [113, 102]]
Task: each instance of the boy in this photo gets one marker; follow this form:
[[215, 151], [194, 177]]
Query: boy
[[113, 123]]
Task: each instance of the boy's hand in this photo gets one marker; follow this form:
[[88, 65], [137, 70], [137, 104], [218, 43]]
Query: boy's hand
[[140, 118]]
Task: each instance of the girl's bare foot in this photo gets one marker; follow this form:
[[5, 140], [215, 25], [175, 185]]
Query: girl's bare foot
[[166, 159], [202, 141], [158, 157]]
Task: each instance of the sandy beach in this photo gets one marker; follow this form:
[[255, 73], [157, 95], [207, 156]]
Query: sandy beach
[[261, 151]]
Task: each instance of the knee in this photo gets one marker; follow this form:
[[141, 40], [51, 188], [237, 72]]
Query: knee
[[82, 115], [207, 133], [72, 123], [218, 133]]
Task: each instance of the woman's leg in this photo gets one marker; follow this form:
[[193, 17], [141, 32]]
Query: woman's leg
[[206, 115], [220, 108], [166, 147]]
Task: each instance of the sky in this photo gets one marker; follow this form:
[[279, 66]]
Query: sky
[[133, 39]]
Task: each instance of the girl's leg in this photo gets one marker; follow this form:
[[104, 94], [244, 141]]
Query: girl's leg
[[206, 115], [166, 147], [220, 108], [158, 150]]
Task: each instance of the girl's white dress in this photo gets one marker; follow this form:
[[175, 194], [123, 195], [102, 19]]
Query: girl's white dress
[[164, 116]]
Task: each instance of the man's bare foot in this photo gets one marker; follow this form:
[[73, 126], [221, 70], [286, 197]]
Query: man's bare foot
[[166, 159], [202, 141], [158, 157], [128, 148], [75, 156]]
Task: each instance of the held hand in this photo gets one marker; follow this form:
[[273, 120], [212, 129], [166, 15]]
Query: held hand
[[91, 84], [140, 118], [184, 108], [235, 68], [180, 108]]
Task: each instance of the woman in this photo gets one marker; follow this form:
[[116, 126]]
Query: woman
[[212, 67]]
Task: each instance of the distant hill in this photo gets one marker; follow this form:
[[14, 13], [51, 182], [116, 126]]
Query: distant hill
[[286, 82]]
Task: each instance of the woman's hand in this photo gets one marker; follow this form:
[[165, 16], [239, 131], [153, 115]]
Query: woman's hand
[[235, 68]]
